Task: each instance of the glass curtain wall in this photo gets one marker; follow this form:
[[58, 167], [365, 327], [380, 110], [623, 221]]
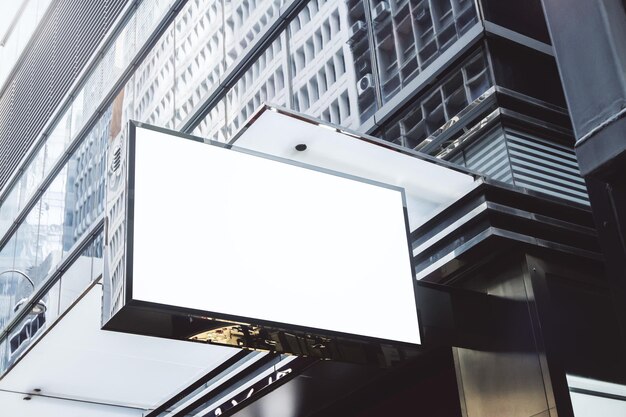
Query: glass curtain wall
[[264, 81], [72, 119], [331, 67], [40, 226], [339, 60], [410, 34], [429, 111], [64, 213], [85, 269], [199, 54]]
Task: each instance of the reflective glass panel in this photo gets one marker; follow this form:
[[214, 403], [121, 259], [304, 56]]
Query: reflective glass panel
[[330, 59], [31, 177], [78, 113], [8, 209], [213, 125], [95, 251], [8, 282], [76, 279], [54, 214], [57, 140], [428, 112], [33, 325], [410, 34], [26, 245], [199, 54], [4, 356], [118, 55], [94, 91], [27, 261], [331, 62], [86, 175], [265, 81], [148, 14], [245, 20], [154, 83]]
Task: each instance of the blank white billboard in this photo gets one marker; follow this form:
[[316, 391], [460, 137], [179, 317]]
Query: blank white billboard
[[232, 233]]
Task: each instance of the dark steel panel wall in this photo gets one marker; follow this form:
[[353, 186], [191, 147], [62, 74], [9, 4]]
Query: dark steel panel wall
[[525, 17], [47, 71], [591, 58], [518, 381]]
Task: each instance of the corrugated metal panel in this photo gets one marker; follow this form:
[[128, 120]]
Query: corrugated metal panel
[[47, 71], [528, 161], [544, 166], [458, 159], [488, 155]]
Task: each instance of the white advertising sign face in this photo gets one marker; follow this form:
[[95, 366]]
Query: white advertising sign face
[[228, 232]]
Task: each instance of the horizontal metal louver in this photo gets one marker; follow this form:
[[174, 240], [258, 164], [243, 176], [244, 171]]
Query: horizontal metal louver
[[545, 166], [488, 155], [47, 71], [528, 161]]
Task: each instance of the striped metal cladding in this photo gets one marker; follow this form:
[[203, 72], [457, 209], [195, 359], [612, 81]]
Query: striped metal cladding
[[488, 155], [46, 72], [545, 166], [527, 161], [486, 222]]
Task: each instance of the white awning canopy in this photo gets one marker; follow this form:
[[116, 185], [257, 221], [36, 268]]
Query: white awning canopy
[[82, 370], [429, 184]]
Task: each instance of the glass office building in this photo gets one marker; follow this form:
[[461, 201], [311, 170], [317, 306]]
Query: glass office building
[[471, 82]]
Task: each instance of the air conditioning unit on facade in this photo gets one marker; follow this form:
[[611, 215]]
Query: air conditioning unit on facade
[[356, 30], [365, 84], [381, 11]]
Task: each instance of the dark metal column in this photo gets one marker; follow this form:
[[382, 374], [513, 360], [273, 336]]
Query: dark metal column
[[589, 38]]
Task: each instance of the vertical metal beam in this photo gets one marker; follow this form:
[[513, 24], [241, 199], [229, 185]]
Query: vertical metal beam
[[591, 58]]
